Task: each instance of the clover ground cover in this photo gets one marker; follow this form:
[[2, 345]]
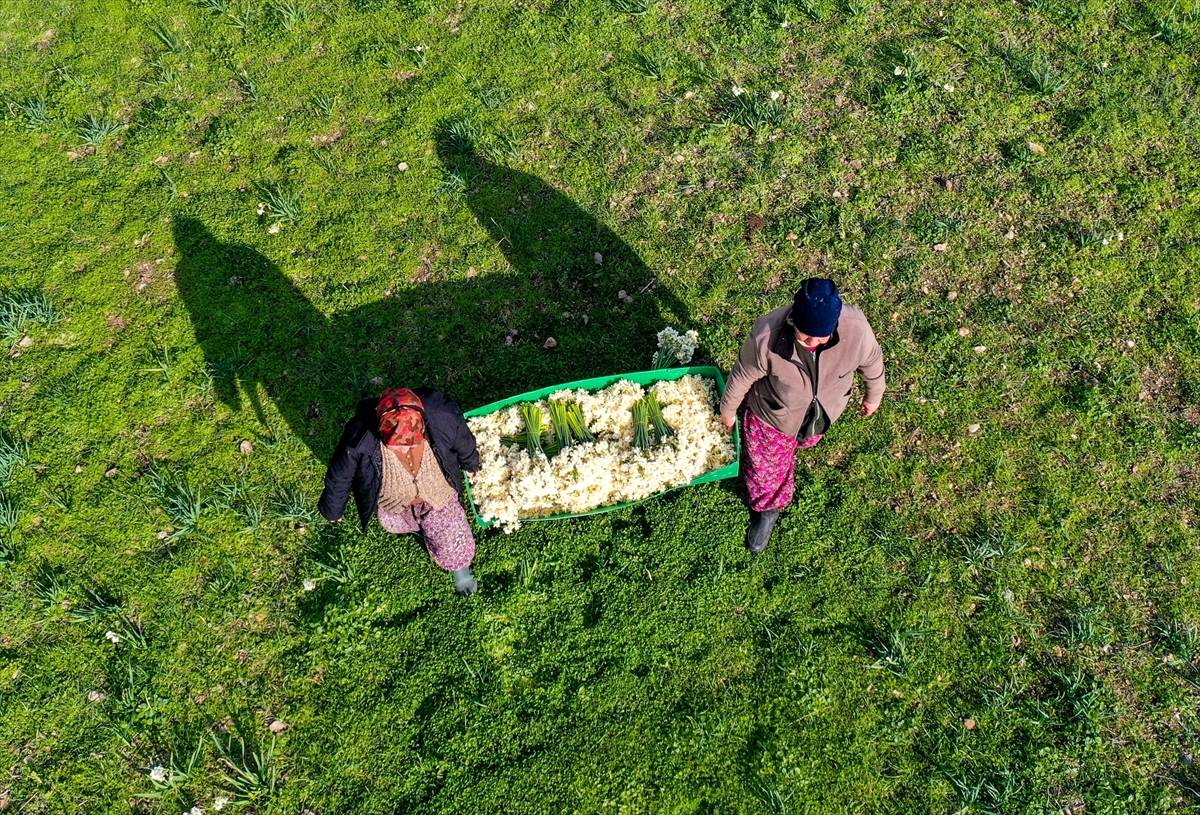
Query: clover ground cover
[[224, 223]]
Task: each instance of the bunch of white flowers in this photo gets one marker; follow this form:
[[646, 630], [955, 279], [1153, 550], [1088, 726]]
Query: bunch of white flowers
[[511, 485], [674, 348]]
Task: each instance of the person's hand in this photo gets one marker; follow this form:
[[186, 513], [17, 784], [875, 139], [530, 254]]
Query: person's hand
[[729, 422], [868, 408]]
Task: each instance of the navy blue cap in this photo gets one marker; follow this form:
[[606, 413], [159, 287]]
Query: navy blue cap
[[817, 307]]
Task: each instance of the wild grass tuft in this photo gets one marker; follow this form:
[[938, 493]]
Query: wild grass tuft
[[1041, 77], [48, 587], [1180, 639], [183, 503], [213, 6], [246, 84], [323, 104], [772, 799], [337, 569], [280, 204], [249, 772], [294, 506], [13, 454], [165, 35], [291, 15], [9, 517], [751, 110], [648, 65], [21, 310], [34, 112], [637, 8], [178, 773], [96, 603], [813, 10], [95, 129]]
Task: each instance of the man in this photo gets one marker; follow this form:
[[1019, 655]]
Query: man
[[795, 374]]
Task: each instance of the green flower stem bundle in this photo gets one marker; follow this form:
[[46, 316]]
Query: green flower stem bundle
[[560, 424], [662, 430], [641, 426], [532, 416], [575, 420]]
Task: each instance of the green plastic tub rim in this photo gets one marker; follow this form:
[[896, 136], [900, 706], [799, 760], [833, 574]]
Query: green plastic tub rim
[[599, 383]]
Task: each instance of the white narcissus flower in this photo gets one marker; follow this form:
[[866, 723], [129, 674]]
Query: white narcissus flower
[[158, 774], [309, 585], [738, 91], [112, 637], [511, 485]]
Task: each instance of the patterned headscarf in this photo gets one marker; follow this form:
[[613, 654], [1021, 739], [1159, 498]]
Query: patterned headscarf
[[401, 421]]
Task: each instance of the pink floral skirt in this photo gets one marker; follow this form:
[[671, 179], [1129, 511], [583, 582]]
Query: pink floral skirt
[[770, 463], [446, 531]]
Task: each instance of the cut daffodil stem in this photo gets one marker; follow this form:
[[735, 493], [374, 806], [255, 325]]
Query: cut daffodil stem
[[560, 423], [576, 421], [641, 428], [532, 416], [662, 430]]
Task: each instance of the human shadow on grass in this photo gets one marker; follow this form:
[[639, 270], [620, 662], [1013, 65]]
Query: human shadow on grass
[[263, 336]]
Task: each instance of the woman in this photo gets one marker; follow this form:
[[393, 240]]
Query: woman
[[402, 456], [795, 374]]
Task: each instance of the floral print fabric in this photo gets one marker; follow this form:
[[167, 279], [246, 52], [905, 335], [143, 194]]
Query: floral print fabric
[[771, 463], [446, 531]]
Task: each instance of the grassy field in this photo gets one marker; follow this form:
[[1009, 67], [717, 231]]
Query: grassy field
[[223, 222]]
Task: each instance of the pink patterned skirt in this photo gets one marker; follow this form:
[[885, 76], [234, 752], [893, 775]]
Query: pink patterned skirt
[[446, 531], [770, 463]]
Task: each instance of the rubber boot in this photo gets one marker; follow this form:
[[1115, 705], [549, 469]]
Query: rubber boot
[[761, 526], [464, 582]]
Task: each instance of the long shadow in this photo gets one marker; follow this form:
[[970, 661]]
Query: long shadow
[[262, 336]]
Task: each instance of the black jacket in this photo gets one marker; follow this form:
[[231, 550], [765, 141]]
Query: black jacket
[[357, 464]]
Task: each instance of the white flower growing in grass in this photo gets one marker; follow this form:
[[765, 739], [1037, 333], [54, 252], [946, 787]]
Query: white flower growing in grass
[[309, 584], [196, 810], [220, 801], [262, 208], [158, 774], [738, 91], [273, 229], [775, 95], [112, 637], [948, 88]]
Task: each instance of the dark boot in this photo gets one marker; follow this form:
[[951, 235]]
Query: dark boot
[[761, 526], [464, 582]]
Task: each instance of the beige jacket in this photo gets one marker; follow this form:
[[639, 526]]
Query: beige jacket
[[776, 386]]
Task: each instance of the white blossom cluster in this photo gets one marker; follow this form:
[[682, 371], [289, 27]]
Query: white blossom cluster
[[510, 485], [674, 347]]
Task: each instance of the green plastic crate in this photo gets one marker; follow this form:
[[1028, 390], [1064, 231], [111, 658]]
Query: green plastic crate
[[599, 383]]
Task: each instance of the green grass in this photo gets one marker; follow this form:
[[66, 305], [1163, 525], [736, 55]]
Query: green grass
[[1010, 540]]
